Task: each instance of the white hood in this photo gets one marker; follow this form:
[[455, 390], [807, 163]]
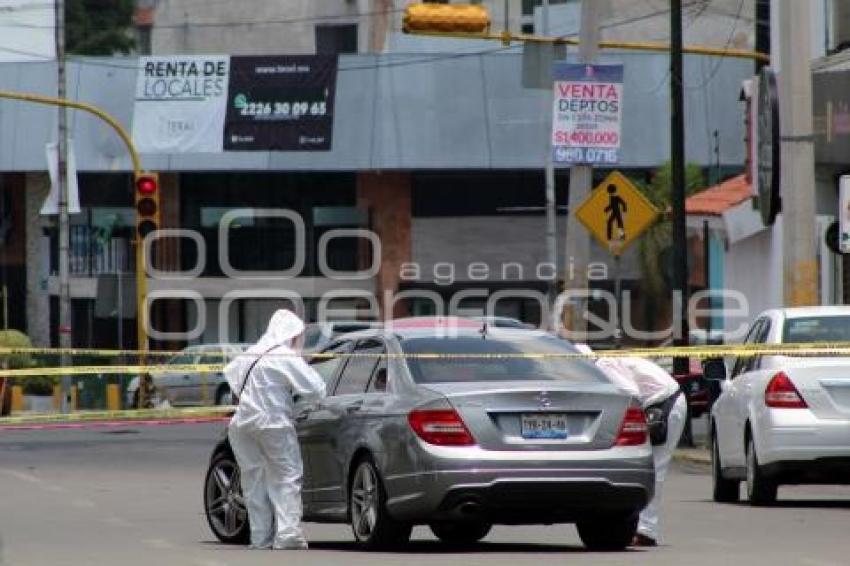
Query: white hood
[[283, 327]]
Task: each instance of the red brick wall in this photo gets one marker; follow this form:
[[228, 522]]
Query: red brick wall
[[386, 197]]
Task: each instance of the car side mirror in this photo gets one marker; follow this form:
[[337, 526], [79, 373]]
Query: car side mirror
[[714, 369]]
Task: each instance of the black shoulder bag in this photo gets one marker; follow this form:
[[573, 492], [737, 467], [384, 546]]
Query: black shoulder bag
[[251, 368], [656, 419]]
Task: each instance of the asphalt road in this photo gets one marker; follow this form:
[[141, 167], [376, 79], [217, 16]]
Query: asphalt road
[[132, 497]]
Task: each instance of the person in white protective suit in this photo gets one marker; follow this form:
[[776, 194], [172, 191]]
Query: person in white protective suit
[[266, 380], [651, 386]]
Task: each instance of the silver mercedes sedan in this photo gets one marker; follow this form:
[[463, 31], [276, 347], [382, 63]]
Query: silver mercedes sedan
[[457, 431]]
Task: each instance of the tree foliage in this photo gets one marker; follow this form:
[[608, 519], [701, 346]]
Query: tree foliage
[[656, 245], [99, 27]]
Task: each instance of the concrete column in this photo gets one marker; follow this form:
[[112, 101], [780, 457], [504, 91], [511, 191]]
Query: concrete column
[[37, 186], [169, 315], [387, 198]]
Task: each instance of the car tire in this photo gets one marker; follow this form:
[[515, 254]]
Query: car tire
[[224, 506], [608, 533], [460, 533], [723, 490], [372, 525], [223, 396], [761, 491]]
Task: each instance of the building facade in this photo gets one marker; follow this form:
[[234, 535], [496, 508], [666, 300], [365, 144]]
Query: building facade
[[438, 149], [438, 177]]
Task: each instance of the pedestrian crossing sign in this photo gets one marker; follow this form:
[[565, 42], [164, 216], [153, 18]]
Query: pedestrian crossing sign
[[616, 213]]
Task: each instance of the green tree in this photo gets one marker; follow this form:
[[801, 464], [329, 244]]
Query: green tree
[[656, 245], [99, 27]]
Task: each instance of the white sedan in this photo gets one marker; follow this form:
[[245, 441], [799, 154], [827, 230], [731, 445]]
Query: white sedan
[[783, 420], [184, 388]]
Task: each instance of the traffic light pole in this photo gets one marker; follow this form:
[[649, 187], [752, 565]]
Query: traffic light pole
[[65, 338], [577, 248], [549, 174], [677, 161], [798, 158], [141, 314]]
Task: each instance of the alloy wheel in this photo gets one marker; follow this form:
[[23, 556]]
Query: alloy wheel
[[225, 504], [364, 502]]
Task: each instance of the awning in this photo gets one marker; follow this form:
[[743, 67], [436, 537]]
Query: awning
[[728, 209]]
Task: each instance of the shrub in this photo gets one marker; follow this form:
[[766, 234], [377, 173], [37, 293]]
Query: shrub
[[42, 385]]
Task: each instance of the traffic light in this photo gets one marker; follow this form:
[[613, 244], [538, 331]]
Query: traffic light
[[147, 203], [446, 18]]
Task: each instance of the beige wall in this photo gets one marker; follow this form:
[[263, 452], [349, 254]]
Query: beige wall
[[275, 26], [288, 26]]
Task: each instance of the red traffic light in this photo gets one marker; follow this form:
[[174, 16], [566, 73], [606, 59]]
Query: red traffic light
[[147, 185]]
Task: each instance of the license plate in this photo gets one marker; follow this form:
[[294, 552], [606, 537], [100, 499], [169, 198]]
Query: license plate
[[550, 426]]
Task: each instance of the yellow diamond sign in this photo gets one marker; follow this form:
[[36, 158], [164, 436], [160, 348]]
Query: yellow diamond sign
[[616, 213]]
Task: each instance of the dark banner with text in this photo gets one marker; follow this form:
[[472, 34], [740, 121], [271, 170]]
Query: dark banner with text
[[280, 103]]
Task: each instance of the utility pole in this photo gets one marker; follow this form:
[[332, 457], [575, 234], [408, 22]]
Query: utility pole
[[677, 159], [64, 220], [798, 160], [551, 217], [577, 248]]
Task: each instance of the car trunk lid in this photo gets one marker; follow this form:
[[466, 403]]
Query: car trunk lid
[[538, 415], [823, 383]]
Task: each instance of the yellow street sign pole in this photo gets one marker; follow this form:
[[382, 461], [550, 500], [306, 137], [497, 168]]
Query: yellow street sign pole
[[137, 170], [91, 109]]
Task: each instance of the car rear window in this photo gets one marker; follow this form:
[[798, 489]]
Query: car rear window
[[353, 327], [816, 329], [466, 360]]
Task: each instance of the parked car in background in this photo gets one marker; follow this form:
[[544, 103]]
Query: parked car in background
[[318, 335], [780, 419], [459, 442], [188, 388]]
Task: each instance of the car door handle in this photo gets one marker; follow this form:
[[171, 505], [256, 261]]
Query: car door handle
[[354, 407], [302, 416]]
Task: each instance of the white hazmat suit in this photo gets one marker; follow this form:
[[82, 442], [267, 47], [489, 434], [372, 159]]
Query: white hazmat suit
[[650, 385], [263, 435]]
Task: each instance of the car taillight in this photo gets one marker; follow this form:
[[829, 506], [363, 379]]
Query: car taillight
[[780, 393], [442, 427], [633, 431]]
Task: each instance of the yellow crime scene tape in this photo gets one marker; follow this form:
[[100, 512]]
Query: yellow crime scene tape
[[703, 351], [811, 349], [164, 416]]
